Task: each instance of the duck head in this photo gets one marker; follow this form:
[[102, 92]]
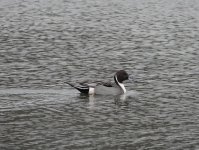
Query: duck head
[[121, 76]]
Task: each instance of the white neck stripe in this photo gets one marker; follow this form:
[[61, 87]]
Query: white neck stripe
[[121, 85]]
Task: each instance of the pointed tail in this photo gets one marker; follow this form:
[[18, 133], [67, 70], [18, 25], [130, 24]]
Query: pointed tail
[[81, 88]]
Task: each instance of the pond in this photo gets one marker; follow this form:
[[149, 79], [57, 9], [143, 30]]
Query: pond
[[46, 43]]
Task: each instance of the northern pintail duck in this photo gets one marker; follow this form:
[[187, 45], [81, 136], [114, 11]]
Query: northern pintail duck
[[103, 88]]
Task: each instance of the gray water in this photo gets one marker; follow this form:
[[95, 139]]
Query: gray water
[[45, 43]]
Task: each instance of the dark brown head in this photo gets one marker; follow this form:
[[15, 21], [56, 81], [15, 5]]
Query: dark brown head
[[121, 76]]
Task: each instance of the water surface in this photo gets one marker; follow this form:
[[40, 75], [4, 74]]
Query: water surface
[[45, 43]]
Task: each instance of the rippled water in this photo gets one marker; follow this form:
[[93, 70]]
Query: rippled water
[[44, 43]]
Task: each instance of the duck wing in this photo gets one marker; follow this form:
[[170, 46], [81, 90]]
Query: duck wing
[[83, 85], [98, 82], [108, 84]]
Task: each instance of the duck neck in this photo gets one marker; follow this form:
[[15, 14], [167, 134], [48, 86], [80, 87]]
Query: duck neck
[[121, 85]]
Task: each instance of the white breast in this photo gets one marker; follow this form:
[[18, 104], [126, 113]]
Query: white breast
[[123, 87]]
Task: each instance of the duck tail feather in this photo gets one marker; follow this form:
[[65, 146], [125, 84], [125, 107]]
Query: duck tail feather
[[81, 88]]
